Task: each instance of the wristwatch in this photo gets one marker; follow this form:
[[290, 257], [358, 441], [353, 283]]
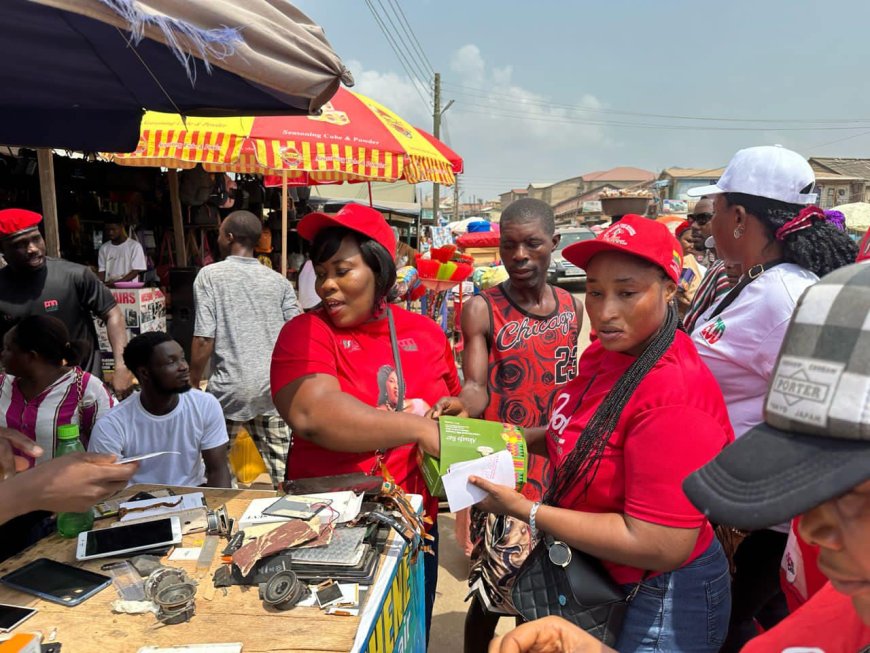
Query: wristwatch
[[532, 513]]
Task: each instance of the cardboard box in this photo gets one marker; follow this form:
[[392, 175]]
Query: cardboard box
[[464, 439]]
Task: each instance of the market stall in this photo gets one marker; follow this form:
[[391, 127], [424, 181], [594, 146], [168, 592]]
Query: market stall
[[389, 616]]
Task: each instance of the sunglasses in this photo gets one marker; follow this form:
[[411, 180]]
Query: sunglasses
[[700, 219]]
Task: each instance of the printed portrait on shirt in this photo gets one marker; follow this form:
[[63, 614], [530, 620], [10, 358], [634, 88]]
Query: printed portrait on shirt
[[388, 393]]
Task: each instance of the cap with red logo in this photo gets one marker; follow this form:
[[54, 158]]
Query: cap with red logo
[[682, 227], [356, 217], [13, 221], [635, 235]]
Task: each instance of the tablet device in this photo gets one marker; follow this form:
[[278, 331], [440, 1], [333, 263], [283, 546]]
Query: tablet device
[[297, 507], [55, 581], [121, 540], [12, 615]]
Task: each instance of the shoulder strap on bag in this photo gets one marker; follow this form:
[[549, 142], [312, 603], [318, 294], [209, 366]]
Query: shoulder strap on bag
[[751, 275], [397, 360]]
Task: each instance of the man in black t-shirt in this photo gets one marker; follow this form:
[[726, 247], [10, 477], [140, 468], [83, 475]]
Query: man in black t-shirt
[[33, 284]]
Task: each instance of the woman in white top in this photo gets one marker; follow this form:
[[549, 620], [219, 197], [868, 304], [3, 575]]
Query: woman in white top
[[762, 221]]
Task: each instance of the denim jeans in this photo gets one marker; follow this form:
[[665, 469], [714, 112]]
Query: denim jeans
[[683, 610]]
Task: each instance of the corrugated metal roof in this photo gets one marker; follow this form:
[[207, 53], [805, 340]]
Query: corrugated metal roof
[[688, 173], [621, 173], [859, 168]]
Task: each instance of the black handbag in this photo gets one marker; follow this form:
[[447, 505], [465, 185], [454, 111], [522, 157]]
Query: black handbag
[[558, 580]]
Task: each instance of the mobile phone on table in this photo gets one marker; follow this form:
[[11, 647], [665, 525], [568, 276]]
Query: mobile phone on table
[[121, 540], [11, 616], [55, 581]]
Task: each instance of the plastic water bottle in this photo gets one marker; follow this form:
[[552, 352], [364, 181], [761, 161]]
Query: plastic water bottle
[[70, 524]]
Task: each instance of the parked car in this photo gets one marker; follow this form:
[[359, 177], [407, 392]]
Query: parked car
[[560, 270]]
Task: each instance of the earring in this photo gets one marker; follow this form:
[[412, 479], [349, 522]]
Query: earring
[[738, 231]]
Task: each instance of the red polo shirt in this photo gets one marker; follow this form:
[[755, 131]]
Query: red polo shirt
[[310, 344], [674, 423]]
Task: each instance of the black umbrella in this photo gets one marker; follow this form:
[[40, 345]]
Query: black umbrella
[[77, 74]]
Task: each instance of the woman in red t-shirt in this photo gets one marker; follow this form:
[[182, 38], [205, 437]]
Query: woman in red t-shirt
[[641, 415], [335, 377]]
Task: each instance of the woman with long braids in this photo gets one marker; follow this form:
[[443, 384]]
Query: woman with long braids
[[642, 413], [762, 219]]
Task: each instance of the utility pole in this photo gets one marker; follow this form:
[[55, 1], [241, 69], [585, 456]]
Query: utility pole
[[456, 199], [437, 112], [436, 131]]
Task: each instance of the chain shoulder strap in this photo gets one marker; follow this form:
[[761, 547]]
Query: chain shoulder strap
[[80, 394]]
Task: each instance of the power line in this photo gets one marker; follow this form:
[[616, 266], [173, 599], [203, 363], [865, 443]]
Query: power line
[[397, 9], [487, 94], [415, 82], [612, 123], [409, 55], [840, 140]]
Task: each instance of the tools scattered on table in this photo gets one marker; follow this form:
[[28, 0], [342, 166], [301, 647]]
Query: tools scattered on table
[[317, 550]]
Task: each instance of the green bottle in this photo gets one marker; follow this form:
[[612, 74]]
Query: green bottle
[[70, 524]]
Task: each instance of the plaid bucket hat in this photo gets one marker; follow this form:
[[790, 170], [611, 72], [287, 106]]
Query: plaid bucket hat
[[815, 442]]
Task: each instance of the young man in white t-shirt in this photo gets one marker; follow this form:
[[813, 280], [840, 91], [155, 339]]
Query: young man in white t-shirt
[[164, 416], [120, 258]]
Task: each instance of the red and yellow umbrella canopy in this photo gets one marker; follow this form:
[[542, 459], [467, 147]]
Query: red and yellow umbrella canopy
[[353, 139]]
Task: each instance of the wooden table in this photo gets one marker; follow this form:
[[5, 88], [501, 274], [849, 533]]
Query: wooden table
[[232, 615]]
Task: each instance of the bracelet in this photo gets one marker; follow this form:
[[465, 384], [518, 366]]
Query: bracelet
[[532, 513]]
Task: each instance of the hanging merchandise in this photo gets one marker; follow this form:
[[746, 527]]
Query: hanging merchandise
[[165, 259], [195, 186], [192, 247], [205, 249], [264, 245], [205, 215]]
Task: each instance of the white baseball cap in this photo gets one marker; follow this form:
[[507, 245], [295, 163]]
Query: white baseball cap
[[769, 171]]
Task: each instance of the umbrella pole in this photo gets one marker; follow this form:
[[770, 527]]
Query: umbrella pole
[[49, 201], [284, 223], [371, 202], [177, 225]]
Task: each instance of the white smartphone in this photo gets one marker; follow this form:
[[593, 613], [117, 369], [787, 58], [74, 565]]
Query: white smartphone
[[120, 540], [11, 616]]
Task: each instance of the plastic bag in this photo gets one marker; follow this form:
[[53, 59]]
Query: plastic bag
[[245, 459]]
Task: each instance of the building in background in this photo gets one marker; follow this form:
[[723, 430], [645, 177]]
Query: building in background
[[681, 180], [840, 180]]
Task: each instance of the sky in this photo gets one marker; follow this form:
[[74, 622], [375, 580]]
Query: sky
[[548, 90]]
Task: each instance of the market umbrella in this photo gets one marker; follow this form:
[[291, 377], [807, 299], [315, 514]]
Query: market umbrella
[[354, 138], [455, 160], [857, 215], [78, 74]]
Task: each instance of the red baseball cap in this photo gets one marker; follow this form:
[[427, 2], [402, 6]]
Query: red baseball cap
[[635, 235], [13, 221], [356, 217], [683, 226]]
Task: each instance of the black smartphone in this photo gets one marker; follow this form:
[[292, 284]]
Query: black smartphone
[[56, 582], [12, 615]]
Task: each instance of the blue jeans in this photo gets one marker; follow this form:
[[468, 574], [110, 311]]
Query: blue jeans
[[683, 610]]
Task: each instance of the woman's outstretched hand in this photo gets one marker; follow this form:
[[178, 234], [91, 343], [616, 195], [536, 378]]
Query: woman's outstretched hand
[[502, 500], [452, 406]]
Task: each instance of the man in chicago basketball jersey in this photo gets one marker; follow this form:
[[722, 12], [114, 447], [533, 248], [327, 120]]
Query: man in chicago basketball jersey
[[520, 347]]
